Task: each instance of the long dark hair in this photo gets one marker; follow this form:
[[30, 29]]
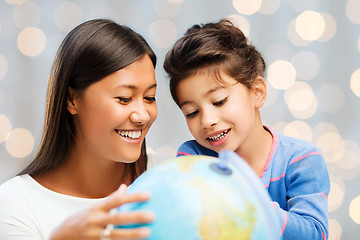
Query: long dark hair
[[90, 52], [213, 47]]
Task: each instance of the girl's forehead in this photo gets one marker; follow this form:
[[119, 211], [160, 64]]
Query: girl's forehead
[[213, 77]]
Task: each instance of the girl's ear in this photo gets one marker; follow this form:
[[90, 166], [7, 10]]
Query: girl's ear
[[71, 102], [260, 91]]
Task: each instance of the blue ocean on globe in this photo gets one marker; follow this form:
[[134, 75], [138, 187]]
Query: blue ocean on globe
[[205, 198]]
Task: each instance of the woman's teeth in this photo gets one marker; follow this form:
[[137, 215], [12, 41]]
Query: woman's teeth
[[219, 136], [129, 134]]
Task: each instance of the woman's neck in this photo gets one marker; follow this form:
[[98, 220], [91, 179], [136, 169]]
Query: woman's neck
[[85, 176]]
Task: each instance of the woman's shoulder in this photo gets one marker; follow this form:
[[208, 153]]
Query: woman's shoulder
[[13, 185]]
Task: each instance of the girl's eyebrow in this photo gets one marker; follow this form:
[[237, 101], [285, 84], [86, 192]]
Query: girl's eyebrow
[[207, 93]]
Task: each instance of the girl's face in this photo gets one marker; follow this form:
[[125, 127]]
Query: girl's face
[[219, 115], [113, 115]]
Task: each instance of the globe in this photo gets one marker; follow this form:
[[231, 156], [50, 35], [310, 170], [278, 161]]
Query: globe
[[205, 198]]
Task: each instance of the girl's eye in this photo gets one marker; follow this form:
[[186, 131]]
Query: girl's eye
[[150, 99], [221, 102], [124, 100], [192, 114]]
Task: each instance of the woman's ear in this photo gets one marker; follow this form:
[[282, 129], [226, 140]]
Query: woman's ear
[[71, 102], [260, 91]]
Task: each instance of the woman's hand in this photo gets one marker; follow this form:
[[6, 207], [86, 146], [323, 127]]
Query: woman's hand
[[91, 223]]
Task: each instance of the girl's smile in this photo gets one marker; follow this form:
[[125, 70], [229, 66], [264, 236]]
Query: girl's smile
[[219, 138]]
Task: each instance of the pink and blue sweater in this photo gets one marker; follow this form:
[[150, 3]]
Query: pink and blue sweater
[[297, 181]]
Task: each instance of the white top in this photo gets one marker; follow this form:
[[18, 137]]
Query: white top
[[30, 211]]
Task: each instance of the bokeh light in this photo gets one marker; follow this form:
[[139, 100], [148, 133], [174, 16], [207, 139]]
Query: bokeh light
[[335, 230], [355, 82], [301, 100], [175, 1], [336, 195], [302, 5], [19, 143], [3, 67], [348, 167], [307, 65], [2, 98], [242, 23], [247, 7], [280, 126], [281, 74], [160, 40], [332, 145], [351, 157], [5, 127], [27, 14], [294, 36], [67, 15], [298, 129], [352, 11], [331, 97], [330, 28], [15, 2], [310, 25], [269, 6], [31, 41], [166, 9], [354, 210]]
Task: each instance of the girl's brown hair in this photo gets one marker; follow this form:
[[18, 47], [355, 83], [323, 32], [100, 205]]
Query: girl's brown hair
[[215, 47]]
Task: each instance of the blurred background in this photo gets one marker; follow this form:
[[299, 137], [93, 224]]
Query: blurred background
[[311, 48]]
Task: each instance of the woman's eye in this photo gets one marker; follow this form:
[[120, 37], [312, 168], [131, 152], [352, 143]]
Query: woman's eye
[[221, 102], [192, 114], [124, 100], [150, 99]]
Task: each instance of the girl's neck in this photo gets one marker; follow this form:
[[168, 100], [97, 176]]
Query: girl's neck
[[257, 148]]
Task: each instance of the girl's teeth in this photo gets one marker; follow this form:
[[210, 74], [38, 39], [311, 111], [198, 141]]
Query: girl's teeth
[[129, 134], [219, 136]]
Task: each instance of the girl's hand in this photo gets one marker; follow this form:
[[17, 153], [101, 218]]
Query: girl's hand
[[92, 223]]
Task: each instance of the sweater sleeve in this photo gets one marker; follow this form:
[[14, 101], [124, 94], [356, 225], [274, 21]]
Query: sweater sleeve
[[307, 188]]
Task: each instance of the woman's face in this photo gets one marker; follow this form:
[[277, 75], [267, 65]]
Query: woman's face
[[113, 115]]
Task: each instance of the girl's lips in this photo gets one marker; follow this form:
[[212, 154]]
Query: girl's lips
[[219, 138]]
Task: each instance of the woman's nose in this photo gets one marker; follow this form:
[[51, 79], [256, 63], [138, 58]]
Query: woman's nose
[[140, 114]]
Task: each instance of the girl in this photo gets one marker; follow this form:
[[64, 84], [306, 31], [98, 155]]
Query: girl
[[100, 105], [216, 79]]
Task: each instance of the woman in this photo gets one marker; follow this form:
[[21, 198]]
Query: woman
[[100, 105]]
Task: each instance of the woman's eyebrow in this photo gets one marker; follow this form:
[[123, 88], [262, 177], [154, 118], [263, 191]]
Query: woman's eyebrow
[[133, 87]]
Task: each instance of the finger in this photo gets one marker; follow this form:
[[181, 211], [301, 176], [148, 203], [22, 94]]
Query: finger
[[131, 233], [134, 217], [122, 189], [118, 198]]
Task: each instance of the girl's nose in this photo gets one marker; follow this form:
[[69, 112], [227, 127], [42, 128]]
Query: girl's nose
[[208, 118]]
